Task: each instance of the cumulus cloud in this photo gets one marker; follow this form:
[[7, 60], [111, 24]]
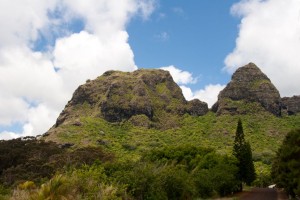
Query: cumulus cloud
[[85, 54], [22, 20], [35, 85], [179, 76], [187, 92], [209, 94], [269, 35]]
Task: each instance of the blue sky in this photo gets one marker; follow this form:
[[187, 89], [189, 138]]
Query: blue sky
[[195, 36], [50, 47]]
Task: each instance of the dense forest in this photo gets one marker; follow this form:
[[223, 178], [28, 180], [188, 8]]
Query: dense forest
[[34, 169]]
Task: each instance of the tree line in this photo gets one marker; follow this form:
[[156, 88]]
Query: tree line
[[33, 167]]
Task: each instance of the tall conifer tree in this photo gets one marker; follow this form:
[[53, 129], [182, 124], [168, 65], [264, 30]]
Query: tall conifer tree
[[242, 151]]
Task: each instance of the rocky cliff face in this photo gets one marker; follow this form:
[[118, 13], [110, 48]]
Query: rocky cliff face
[[291, 105], [249, 88], [142, 96]]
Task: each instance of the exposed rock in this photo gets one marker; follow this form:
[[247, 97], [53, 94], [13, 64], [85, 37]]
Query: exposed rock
[[117, 96], [197, 108], [249, 85], [129, 147], [103, 142], [101, 133], [77, 123], [291, 104], [140, 120], [65, 145]]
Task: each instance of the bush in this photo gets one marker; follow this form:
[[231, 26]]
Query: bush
[[36, 160], [286, 167], [184, 172], [216, 174]]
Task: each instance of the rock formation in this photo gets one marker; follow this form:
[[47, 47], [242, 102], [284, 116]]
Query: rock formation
[[142, 96], [248, 90], [291, 104]]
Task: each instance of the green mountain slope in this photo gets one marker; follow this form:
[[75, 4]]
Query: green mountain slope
[[263, 130], [129, 113], [134, 135]]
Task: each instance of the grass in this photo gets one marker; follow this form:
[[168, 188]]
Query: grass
[[263, 130]]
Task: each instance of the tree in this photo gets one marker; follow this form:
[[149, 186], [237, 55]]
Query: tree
[[242, 151], [286, 167], [249, 175]]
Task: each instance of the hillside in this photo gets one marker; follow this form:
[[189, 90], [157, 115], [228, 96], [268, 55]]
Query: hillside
[[132, 135], [130, 113]]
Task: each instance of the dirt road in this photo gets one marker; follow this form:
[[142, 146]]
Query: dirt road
[[263, 194]]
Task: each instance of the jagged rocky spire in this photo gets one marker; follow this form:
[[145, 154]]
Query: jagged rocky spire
[[248, 84]]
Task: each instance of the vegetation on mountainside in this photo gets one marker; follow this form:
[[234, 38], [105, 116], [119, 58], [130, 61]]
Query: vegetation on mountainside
[[286, 167], [120, 160], [33, 160], [263, 131], [174, 172]]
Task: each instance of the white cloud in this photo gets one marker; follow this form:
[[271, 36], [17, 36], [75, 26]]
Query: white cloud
[[32, 90], [7, 135], [85, 54], [187, 92], [22, 19], [40, 119], [13, 109], [209, 94], [269, 35], [179, 76]]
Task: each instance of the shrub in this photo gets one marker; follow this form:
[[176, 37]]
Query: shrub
[[286, 167]]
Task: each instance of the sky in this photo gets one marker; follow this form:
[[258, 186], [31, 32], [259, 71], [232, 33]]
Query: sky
[[50, 47]]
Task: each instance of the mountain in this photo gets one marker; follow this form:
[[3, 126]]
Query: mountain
[[144, 97], [140, 110], [142, 132], [291, 104], [150, 99], [248, 91]]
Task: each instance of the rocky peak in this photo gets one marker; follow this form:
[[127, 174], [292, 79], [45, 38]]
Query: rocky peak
[[248, 85], [291, 104], [149, 95]]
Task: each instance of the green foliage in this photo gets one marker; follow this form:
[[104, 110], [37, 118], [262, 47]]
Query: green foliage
[[188, 155], [27, 185], [193, 158], [33, 160], [177, 172], [87, 182], [263, 174], [55, 189], [4, 192], [239, 141], [286, 167], [216, 174], [250, 174], [26, 159], [242, 151], [127, 142]]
